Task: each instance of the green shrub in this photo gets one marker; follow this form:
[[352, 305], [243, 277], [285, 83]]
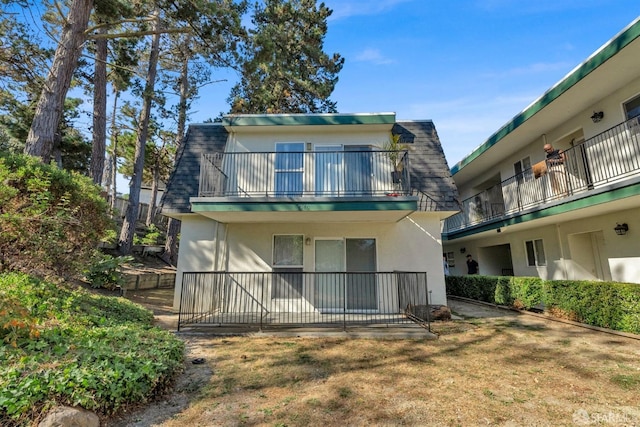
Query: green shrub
[[481, 288], [50, 219], [16, 324], [605, 304], [527, 292], [151, 236], [92, 351], [503, 293], [105, 271]]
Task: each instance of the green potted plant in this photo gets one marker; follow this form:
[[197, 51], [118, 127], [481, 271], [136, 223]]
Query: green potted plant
[[395, 149]]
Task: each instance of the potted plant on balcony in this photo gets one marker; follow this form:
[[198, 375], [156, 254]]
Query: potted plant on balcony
[[395, 149]]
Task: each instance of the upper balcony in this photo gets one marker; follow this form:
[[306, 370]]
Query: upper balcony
[[376, 184], [606, 161], [305, 174]]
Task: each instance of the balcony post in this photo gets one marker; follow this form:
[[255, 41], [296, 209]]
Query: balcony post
[[263, 275]]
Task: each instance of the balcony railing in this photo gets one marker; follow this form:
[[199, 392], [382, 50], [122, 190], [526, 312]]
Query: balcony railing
[[304, 174], [268, 299], [607, 158]]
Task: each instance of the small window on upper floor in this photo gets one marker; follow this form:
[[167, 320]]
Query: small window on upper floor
[[632, 107], [632, 111], [522, 169]]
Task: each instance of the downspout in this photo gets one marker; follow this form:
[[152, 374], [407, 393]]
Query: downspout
[[216, 256], [564, 261]]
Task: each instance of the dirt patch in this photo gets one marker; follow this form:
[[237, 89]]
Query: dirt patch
[[501, 368]]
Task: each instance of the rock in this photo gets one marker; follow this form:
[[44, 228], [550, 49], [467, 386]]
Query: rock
[[65, 416], [440, 312], [433, 312]]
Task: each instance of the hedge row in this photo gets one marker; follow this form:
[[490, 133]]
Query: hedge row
[[610, 305]]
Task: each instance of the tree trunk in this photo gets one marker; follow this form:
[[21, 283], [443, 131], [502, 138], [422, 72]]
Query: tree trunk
[[151, 213], [51, 102], [173, 228], [129, 223], [99, 109], [114, 150]]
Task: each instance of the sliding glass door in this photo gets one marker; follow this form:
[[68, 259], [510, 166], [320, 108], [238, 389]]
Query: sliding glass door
[[289, 168], [357, 289], [329, 166]]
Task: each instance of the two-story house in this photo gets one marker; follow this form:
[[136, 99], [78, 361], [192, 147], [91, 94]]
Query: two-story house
[[309, 218], [529, 210]]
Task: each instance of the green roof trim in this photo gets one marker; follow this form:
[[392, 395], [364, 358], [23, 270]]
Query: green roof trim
[[382, 204], [309, 119], [585, 202], [613, 47]]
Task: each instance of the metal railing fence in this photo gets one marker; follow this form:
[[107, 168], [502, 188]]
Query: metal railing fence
[[609, 157], [309, 173], [295, 298]]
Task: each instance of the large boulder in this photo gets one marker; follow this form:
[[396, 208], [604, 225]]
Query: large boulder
[[66, 416]]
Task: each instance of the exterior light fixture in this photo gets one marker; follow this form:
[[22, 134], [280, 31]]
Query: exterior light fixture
[[463, 250], [621, 229], [597, 116]]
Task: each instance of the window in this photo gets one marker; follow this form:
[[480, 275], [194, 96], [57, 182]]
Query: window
[[632, 108], [289, 168], [632, 111], [451, 260], [522, 169], [535, 253], [287, 266]]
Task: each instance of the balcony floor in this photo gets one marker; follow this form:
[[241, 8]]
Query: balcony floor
[[305, 209]]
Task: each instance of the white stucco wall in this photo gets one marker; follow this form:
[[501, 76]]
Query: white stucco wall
[[413, 244], [247, 141], [580, 125], [198, 249], [576, 249]]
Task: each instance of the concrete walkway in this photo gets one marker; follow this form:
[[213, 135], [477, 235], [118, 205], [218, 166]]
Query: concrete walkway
[[461, 309]]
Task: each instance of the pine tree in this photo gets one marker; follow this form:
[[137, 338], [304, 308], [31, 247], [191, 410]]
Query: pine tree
[[40, 140], [285, 68]]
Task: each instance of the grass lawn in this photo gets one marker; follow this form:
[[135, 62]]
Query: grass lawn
[[513, 370]]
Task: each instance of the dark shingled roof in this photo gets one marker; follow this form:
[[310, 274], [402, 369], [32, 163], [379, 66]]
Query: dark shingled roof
[[184, 181], [430, 173]]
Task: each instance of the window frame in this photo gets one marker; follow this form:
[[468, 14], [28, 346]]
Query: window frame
[[288, 280], [285, 174], [534, 249], [632, 100], [451, 259], [526, 173]]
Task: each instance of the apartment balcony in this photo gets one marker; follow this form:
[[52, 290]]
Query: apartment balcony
[[304, 174], [279, 186], [605, 162], [296, 298]]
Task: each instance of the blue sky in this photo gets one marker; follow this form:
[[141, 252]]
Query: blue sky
[[468, 65]]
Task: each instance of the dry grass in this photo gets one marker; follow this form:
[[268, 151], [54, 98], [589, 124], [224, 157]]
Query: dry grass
[[515, 370]]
